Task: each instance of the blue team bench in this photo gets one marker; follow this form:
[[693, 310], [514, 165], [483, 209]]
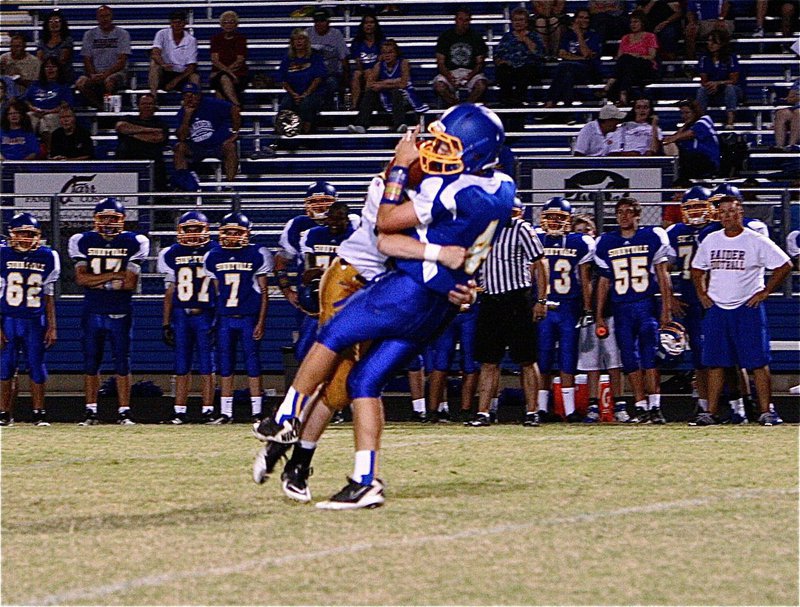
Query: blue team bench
[[150, 355]]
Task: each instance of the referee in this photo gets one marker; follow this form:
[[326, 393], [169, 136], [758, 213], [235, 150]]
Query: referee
[[504, 316]]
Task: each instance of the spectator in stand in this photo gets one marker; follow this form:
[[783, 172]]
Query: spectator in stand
[[636, 62], [663, 18], [702, 18], [365, 50], [788, 116], [70, 141], [18, 64], [143, 137], [640, 135], [460, 55], [785, 9], [229, 60], [597, 138], [548, 21], [173, 59], [209, 128], [302, 73], [389, 86], [17, 139], [55, 41], [580, 54], [719, 77], [609, 19], [518, 60], [45, 97], [698, 144], [331, 44], [5, 97], [105, 50]]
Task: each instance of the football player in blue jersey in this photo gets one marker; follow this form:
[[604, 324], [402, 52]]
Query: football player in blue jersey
[[320, 195], [633, 267], [238, 270], [727, 189], [107, 266], [28, 273], [569, 256], [697, 211], [188, 317], [461, 202]]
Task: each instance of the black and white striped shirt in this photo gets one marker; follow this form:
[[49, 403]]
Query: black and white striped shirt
[[508, 266]]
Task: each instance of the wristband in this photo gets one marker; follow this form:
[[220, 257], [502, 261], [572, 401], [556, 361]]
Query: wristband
[[432, 252], [395, 184], [541, 301]]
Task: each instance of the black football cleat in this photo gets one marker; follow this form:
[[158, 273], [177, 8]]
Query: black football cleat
[[294, 482], [266, 459], [269, 430], [355, 495]]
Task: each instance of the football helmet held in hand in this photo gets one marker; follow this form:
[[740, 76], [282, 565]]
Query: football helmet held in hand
[[671, 339]]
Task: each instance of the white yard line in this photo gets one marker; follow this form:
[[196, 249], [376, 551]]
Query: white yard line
[[103, 590]]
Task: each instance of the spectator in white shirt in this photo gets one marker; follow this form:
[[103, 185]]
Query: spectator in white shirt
[[173, 59], [639, 136], [597, 137]]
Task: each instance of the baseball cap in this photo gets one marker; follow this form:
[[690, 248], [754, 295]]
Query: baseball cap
[[321, 14], [610, 111], [191, 87]]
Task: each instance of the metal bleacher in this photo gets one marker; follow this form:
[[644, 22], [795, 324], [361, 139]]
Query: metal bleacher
[[274, 173]]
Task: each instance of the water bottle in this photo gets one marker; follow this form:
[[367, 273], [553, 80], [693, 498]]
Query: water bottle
[[348, 101], [336, 101], [765, 95]]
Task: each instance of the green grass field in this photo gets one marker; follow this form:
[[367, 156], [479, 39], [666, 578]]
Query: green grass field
[[157, 515]]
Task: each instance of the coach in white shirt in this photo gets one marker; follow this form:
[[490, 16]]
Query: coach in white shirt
[[173, 58], [596, 138], [728, 274]]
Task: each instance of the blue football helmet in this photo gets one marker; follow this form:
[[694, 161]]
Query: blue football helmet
[[24, 233], [109, 217], [319, 196], [466, 139], [671, 340], [725, 189], [696, 206], [556, 218], [234, 231], [193, 229]]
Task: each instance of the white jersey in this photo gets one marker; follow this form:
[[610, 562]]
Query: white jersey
[[736, 265], [634, 137], [361, 249]]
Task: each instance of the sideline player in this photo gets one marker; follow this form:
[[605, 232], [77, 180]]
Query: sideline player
[[569, 255], [28, 273], [188, 316], [728, 274], [238, 270], [462, 203], [107, 262], [633, 266]]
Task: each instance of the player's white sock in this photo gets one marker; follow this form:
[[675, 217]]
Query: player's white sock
[[365, 465], [208, 409], [308, 444], [124, 410], [493, 405], [180, 409], [641, 404], [92, 407], [255, 405], [568, 394], [419, 405], [737, 406], [292, 405], [654, 400], [444, 407], [541, 399], [226, 406], [703, 404]]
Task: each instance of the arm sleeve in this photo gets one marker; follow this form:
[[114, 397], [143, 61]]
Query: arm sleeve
[[590, 246], [48, 285], [582, 143], [423, 199], [793, 243], [192, 51], [662, 252], [772, 255], [86, 43], [267, 262], [143, 252], [74, 250], [207, 267], [164, 268]]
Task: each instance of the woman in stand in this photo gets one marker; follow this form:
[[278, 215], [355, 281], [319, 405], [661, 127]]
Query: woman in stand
[[697, 141], [548, 21], [636, 61], [365, 49], [17, 139], [640, 134], [719, 77], [55, 41], [302, 72], [517, 59], [44, 99], [229, 60]]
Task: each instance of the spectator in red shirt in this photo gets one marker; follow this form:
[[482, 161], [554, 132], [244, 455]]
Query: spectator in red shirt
[[636, 61], [229, 59]]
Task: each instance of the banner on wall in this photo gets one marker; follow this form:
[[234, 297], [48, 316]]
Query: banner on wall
[[615, 183]]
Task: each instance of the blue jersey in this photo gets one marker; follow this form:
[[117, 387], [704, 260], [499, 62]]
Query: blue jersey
[[291, 237], [683, 241], [323, 245], [25, 278], [183, 267], [235, 271], [367, 54], [565, 254], [124, 252], [210, 124], [629, 263], [463, 210]]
